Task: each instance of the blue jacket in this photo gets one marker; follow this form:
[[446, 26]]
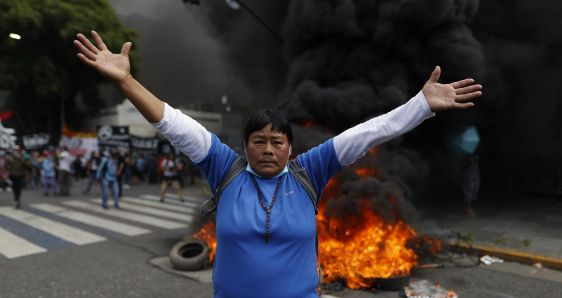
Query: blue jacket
[[107, 169]]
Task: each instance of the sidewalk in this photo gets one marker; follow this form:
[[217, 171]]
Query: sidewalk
[[525, 228]]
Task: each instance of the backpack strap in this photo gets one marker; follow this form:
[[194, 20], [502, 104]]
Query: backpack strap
[[237, 166], [102, 168], [303, 178]]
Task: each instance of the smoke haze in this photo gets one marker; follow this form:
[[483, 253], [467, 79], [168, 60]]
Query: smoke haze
[[193, 54], [343, 61]]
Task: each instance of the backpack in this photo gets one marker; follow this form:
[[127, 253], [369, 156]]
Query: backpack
[[239, 165], [210, 206]]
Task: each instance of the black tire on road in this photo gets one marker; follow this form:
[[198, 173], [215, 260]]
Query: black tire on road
[[189, 255]]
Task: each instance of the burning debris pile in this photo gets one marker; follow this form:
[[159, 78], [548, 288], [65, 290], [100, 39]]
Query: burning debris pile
[[362, 229]]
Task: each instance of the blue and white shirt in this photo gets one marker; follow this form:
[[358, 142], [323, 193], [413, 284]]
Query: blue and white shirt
[[245, 265]]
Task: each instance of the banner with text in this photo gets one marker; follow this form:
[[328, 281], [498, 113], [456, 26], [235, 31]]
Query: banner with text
[[38, 141], [7, 138], [113, 137]]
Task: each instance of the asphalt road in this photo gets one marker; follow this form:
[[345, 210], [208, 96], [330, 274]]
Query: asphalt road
[[119, 265]]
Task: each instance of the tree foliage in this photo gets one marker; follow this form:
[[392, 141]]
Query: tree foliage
[[41, 70]]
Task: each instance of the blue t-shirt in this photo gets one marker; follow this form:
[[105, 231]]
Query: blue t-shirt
[[48, 167], [245, 265]]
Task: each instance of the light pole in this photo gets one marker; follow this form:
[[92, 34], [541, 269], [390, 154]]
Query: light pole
[[236, 4], [61, 115]]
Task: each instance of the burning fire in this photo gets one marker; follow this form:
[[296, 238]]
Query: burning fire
[[207, 234], [357, 248], [362, 248]]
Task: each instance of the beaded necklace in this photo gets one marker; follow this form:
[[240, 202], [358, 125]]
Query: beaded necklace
[[262, 203]]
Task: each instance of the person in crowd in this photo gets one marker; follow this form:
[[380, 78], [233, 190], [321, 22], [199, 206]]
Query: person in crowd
[[5, 183], [152, 168], [107, 173], [471, 183], [91, 169], [26, 156], [140, 167], [171, 169], [48, 173], [78, 167], [265, 219], [120, 170], [36, 160], [65, 171], [18, 169], [128, 165]]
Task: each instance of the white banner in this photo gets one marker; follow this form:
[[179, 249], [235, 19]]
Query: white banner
[[7, 138], [79, 145]]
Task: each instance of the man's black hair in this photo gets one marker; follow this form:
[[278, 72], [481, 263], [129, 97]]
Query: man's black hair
[[262, 118]]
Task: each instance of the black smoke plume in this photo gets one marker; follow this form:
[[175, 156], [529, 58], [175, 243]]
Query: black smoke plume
[[352, 60]]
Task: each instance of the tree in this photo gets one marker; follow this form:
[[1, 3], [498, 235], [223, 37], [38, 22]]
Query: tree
[[40, 72]]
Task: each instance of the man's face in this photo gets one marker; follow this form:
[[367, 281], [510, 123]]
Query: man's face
[[268, 151]]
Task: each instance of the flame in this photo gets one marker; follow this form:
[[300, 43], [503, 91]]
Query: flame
[[362, 172], [362, 249], [207, 234]]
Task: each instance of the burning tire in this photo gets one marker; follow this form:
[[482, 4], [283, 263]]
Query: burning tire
[[189, 255]]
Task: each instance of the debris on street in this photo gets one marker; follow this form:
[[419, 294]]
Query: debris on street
[[423, 288], [489, 260]]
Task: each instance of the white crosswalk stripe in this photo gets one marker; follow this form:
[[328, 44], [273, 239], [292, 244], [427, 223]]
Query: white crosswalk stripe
[[171, 207], [62, 231], [174, 202], [13, 246], [152, 211], [186, 199], [148, 220], [95, 221], [23, 237]]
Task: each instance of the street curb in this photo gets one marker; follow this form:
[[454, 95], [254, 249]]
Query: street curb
[[506, 254]]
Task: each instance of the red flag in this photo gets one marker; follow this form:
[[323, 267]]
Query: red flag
[[5, 115]]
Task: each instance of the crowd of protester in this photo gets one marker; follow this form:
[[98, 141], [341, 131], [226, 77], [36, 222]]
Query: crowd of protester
[[55, 171]]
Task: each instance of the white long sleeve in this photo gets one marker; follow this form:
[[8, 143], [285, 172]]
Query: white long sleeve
[[185, 134], [353, 143]]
